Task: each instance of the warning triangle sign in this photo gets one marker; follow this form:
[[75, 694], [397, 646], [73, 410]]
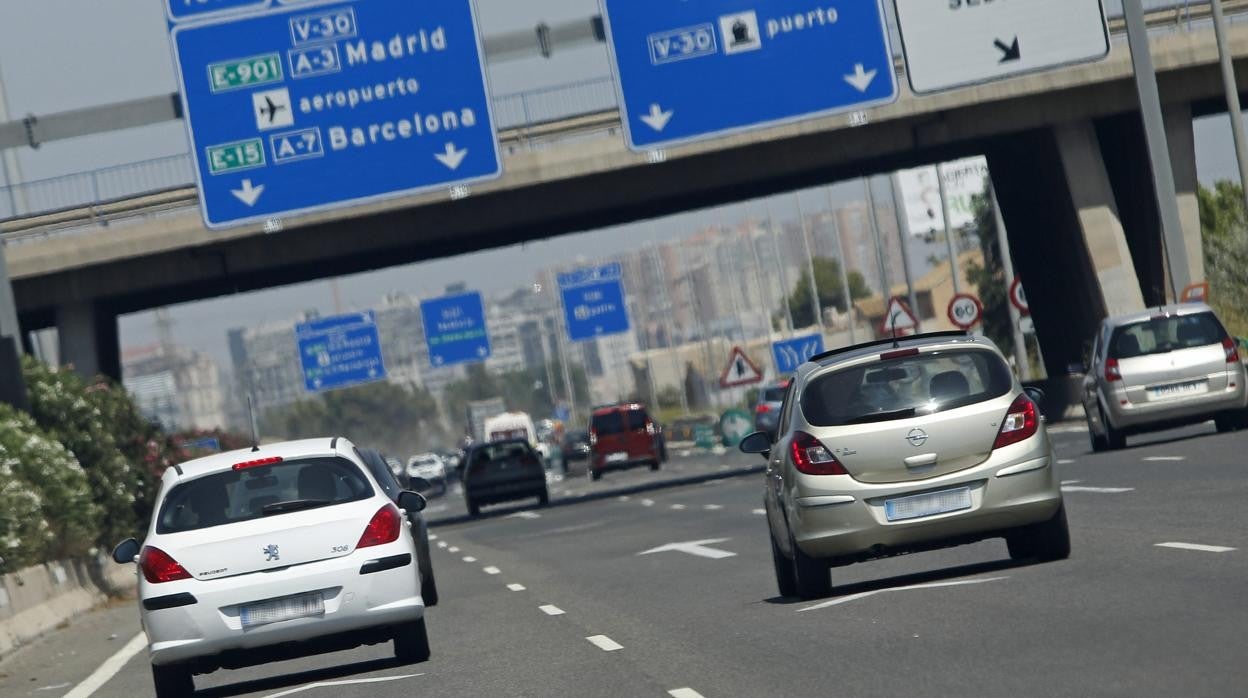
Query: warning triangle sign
[[898, 317], [740, 371]]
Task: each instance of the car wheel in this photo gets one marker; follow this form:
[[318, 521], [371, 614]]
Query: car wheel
[[429, 591], [595, 475], [544, 498], [411, 642], [811, 577], [786, 583], [172, 680], [1114, 439], [474, 509], [1228, 422], [654, 464], [1046, 541], [1098, 442]]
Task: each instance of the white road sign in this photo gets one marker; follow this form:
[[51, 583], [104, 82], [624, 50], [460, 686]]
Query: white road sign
[[953, 43]]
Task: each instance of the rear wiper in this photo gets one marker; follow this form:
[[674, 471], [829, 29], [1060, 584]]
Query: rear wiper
[[293, 505], [884, 416]]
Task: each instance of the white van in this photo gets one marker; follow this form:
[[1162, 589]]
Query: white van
[[516, 425]]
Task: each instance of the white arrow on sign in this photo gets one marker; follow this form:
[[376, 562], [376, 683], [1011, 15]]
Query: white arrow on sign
[[248, 194], [452, 157], [657, 118], [694, 547], [861, 79]]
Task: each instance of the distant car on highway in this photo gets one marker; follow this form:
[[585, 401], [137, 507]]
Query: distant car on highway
[[268, 553], [575, 449], [503, 471], [624, 436], [767, 409], [1165, 367], [431, 468], [894, 447]]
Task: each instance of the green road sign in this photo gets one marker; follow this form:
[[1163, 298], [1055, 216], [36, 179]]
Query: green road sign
[[231, 157], [704, 436], [245, 72]]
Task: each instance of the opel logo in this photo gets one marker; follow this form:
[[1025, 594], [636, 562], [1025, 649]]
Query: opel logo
[[917, 437]]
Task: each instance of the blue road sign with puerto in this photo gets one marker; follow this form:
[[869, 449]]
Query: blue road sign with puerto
[[340, 351], [301, 107], [689, 70], [455, 329], [593, 302], [791, 353]]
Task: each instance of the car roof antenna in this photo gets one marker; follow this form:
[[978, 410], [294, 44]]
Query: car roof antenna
[[255, 429], [893, 321]]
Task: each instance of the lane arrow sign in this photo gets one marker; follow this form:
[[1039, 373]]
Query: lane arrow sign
[[697, 548], [861, 79], [657, 118], [1009, 52], [451, 157], [249, 195]]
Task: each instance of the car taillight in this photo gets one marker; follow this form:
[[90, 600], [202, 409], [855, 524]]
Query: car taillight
[[1111, 370], [159, 568], [812, 457], [1232, 352], [384, 528], [650, 428], [1021, 423], [593, 437], [762, 409]]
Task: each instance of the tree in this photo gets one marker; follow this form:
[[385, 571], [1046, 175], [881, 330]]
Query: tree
[[383, 415], [831, 291], [989, 278], [523, 391], [1224, 235]]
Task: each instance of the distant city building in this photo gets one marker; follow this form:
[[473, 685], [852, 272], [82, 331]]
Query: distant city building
[[175, 385]]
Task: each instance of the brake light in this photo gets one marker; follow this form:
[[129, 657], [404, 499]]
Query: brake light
[[899, 354], [1232, 352], [1111, 370], [650, 428], [257, 463], [1021, 423], [812, 457], [384, 528], [159, 568], [762, 409]]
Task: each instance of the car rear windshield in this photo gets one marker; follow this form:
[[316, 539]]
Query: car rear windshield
[[1160, 335], [905, 387], [772, 394], [608, 423], [502, 450], [252, 493]]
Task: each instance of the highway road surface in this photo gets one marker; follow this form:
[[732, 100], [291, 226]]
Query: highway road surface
[[670, 592]]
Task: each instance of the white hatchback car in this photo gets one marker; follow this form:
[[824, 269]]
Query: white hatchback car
[[265, 554]]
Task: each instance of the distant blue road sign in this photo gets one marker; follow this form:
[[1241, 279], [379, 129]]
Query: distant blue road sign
[[298, 107], [593, 302], [208, 443], [340, 351], [181, 10], [689, 70], [791, 353], [455, 329]]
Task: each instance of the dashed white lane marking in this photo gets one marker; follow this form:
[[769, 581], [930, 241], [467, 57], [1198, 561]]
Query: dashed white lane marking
[[1065, 461], [605, 643], [441, 544], [678, 507], [516, 587], [759, 512], [1071, 482], [469, 558], [1163, 459], [433, 536], [713, 507], [623, 498], [865, 594], [1098, 490], [551, 610], [452, 549], [684, 693], [1197, 547], [491, 570], [109, 668], [344, 682], [647, 502], [525, 515]]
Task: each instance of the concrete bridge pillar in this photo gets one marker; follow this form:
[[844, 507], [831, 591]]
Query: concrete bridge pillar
[[88, 339], [1182, 141]]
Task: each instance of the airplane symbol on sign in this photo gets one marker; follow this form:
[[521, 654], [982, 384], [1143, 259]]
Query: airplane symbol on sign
[[270, 109]]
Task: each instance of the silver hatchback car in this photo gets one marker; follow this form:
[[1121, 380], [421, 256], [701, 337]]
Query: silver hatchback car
[[906, 445], [1167, 367]]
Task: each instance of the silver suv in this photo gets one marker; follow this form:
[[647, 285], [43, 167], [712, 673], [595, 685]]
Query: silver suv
[[1167, 367], [906, 445]]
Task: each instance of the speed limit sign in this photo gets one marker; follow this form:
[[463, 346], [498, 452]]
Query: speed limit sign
[[965, 311], [1018, 297]]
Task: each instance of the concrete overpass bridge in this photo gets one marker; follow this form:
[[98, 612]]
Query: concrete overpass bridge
[[1065, 149]]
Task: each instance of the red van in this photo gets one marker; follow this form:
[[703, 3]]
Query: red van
[[624, 436]]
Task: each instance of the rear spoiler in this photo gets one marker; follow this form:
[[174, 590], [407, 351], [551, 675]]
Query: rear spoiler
[[946, 334]]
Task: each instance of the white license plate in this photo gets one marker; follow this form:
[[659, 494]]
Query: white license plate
[[929, 504], [278, 610], [1192, 388], [617, 457]]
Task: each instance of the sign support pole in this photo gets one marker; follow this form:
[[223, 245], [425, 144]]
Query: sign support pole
[[810, 265], [784, 277], [944, 211], [875, 235], [903, 241], [1007, 264], [1232, 96], [671, 341], [844, 264]]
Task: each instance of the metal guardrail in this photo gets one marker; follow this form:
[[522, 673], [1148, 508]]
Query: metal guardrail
[[525, 119]]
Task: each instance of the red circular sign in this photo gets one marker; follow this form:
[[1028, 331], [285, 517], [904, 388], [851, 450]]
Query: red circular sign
[[1018, 297], [965, 311]]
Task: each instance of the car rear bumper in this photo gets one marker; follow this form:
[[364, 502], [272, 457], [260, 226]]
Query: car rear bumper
[[1141, 415], [505, 491]]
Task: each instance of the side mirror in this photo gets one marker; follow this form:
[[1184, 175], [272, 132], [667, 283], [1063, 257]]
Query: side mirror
[[1037, 396], [758, 442], [412, 502], [126, 551]]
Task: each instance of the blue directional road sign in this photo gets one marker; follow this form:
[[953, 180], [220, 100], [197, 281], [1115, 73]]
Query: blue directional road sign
[[690, 70], [301, 107], [791, 353], [593, 302], [340, 351], [181, 10], [455, 329], [211, 444]]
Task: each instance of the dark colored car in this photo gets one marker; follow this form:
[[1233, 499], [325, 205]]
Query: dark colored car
[[575, 448], [624, 436], [380, 468], [767, 409], [502, 471]]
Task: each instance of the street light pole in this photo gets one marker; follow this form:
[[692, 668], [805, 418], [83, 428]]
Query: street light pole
[[844, 264], [810, 265], [1232, 96]]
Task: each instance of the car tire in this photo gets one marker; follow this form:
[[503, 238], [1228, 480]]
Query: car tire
[[654, 464], [1114, 439], [172, 681], [595, 475], [1046, 541], [474, 509], [1228, 422], [411, 642], [1099, 444], [543, 499], [811, 577], [786, 583], [429, 591]]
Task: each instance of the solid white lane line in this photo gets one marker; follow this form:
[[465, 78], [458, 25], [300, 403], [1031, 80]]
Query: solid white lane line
[[452, 549], [344, 682], [605, 643], [1099, 490], [441, 544], [551, 610], [1071, 482], [469, 558], [678, 507], [1065, 461], [684, 693], [516, 587], [1197, 546], [759, 512], [525, 515], [647, 502], [713, 507], [1163, 459], [109, 668], [865, 594], [491, 570]]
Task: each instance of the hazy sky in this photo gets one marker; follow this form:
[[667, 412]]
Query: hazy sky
[[57, 55]]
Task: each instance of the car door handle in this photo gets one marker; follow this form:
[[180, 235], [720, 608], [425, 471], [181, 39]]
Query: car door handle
[[922, 460]]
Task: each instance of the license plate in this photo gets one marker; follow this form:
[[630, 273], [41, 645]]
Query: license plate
[[617, 457], [929, 504], [1175, 389], [278, 610]]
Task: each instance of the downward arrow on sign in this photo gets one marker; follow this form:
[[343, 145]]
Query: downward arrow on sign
[[694, 547], [861, 79], [657, 118], [451, 157], [249, 195]]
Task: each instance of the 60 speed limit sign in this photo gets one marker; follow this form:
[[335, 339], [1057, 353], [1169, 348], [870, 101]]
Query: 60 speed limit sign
[[965, 311]]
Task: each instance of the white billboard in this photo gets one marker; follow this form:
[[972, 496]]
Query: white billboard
[[921, 195]]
